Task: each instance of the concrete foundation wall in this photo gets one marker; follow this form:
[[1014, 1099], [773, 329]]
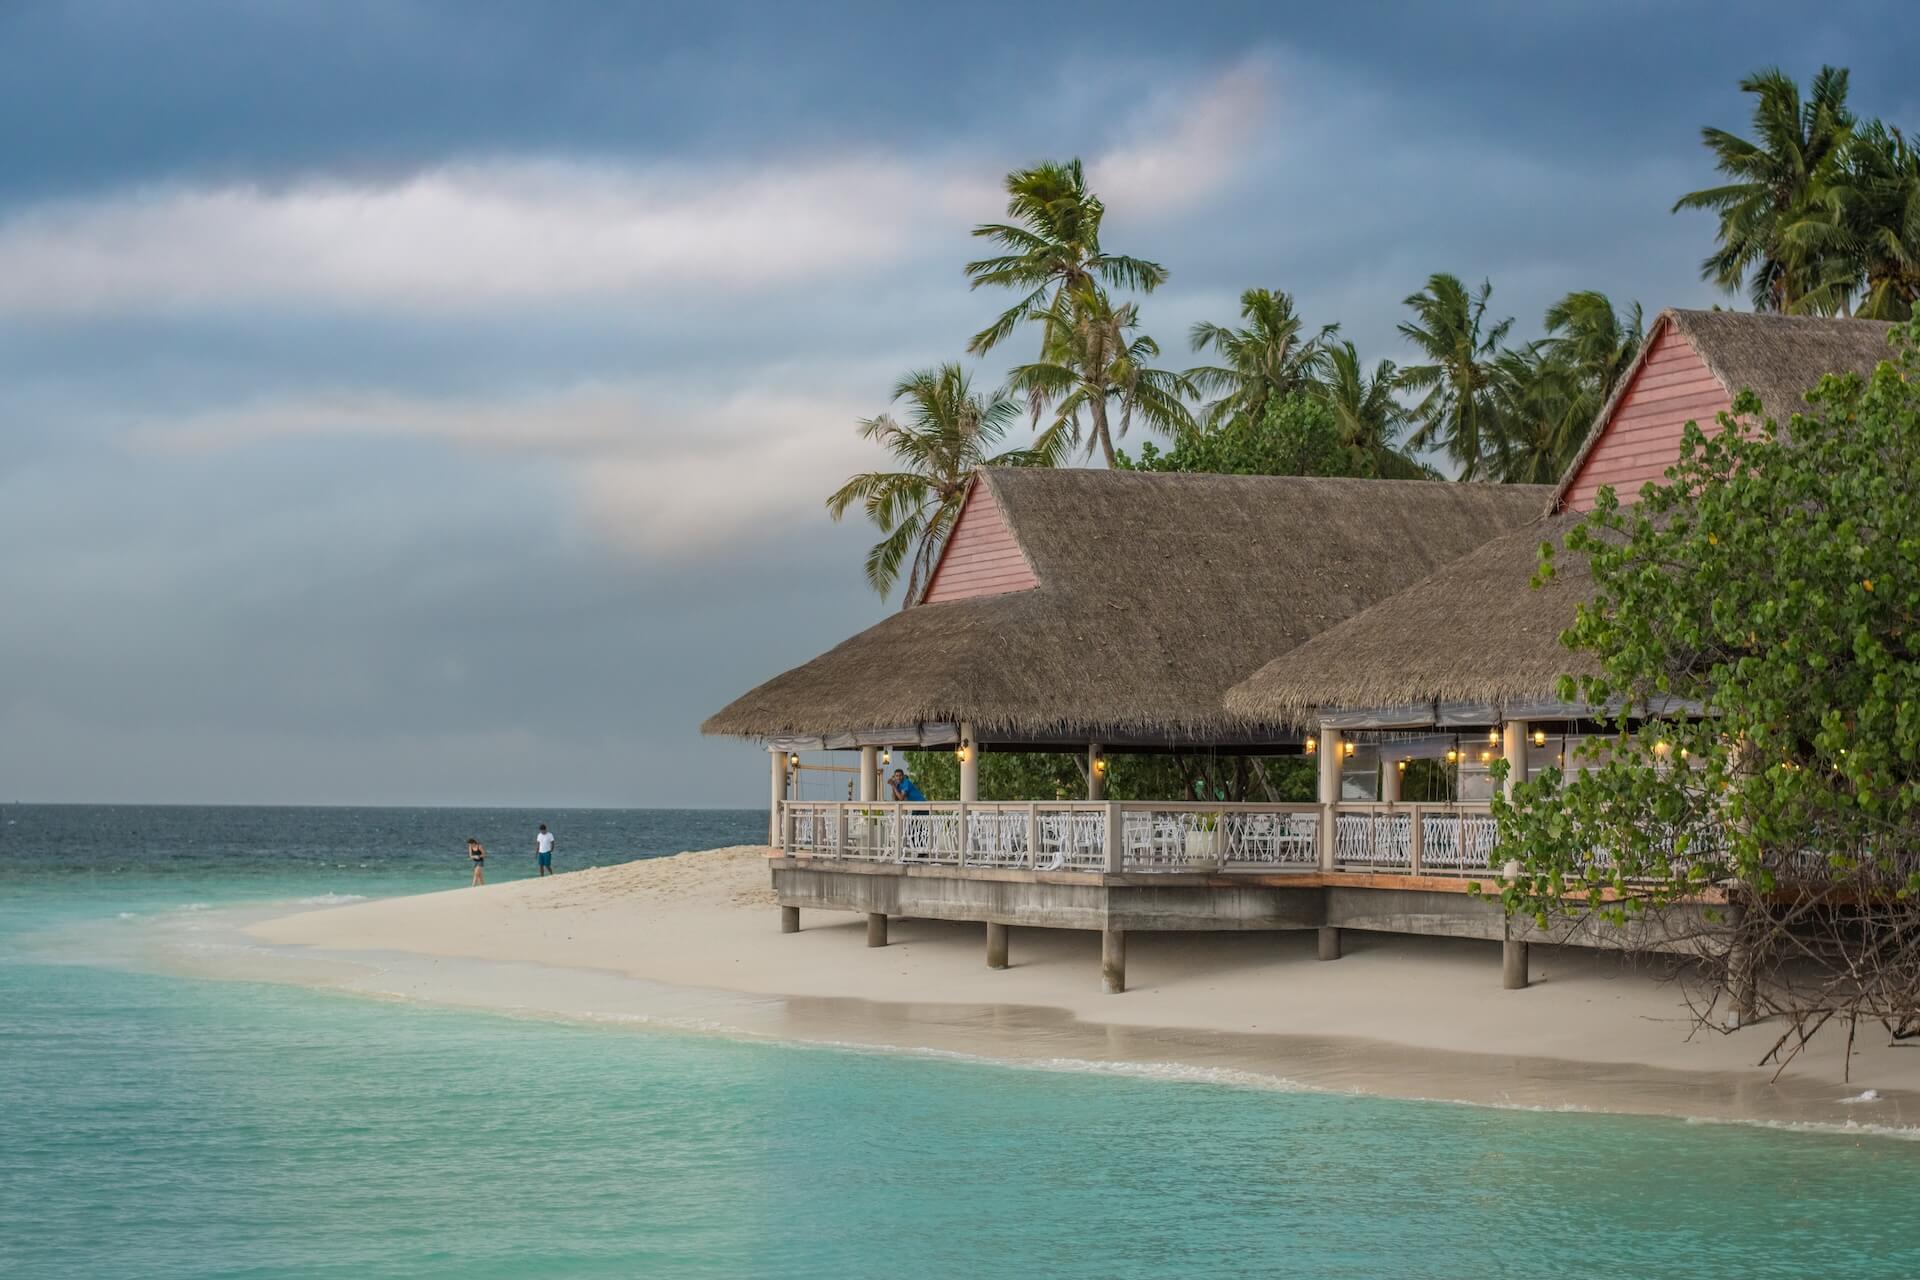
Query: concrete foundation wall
[[1176, 903]]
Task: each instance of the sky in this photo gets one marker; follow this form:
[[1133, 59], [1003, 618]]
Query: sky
[[433, 401]]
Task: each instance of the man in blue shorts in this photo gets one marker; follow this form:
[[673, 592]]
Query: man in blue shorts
[[543, 846]]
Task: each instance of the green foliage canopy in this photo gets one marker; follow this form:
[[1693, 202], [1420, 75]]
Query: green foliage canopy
[[1773, 582]]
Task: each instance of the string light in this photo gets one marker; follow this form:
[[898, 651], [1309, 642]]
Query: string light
[[1485, 756], [1661, 747]]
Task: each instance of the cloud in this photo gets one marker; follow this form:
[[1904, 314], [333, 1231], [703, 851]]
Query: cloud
[[455, 236], [654, 467], [1185, 147]]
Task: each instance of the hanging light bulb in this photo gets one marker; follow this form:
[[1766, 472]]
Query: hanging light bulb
[[1100, 766], [1485, 755], [794, 760], [886, 756], [1346, 748], [962, 751], [1453, 755], [1312, 744], [1493, 736], [1539, 737], [1401, 765]]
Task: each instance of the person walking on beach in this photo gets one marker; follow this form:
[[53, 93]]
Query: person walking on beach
[[543, 849], [479, 856]]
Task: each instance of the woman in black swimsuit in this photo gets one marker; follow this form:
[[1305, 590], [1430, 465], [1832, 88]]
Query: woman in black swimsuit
[[479, 856]]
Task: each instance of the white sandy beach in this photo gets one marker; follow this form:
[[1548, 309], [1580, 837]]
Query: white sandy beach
[[1404, 1016]]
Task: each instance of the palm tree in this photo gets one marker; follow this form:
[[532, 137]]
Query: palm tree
[[1450, 329], [1053, 251], [1370, 417], [1267, 359], [947, 434], [1586, 333], [1775, 183], [1094, 363], [1872, 220], [1542, 409]]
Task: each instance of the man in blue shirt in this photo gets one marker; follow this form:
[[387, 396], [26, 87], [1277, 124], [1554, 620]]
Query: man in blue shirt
[[905, 788]]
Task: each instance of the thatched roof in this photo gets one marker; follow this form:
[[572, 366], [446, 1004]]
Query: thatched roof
[[1778, 358], [1473, 632], [1157, 593]]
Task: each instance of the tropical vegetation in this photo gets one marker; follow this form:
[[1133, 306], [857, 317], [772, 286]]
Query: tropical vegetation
[[1769, 585], [1818, 213]]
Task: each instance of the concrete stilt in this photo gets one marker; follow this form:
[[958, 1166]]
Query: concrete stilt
[[996, 945], [1113, 960], [1513, 965], [789, 919], [876, 928], [1329, 943]]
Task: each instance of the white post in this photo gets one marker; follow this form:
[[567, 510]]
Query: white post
[[779, 797], [1515, 745], [1096, 772], [1390, 778], [869, 775], [969, 764], [1330, 761]]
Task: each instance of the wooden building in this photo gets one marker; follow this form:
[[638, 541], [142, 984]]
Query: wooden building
[[1367, 622]]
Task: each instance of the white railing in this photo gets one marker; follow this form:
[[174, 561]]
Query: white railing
[[1413, 839], [1058, 835]]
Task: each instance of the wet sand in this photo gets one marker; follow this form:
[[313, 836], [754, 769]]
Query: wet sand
[[693, 942]]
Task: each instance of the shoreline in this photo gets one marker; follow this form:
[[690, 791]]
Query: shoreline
[[692, 943]]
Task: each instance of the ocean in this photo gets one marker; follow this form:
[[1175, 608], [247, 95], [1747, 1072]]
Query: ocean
[[161, 1126]]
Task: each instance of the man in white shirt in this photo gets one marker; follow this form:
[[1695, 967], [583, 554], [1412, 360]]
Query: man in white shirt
[[543, 846]]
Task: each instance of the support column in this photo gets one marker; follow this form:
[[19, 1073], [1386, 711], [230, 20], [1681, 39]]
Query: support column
[[869, 788], [789, 919], [1329, 943], [876, 928], [1513, 965], [1096, 772], [1514, 745], [969, 765], [779, 795], [1390, 779], [1113, 960], [1742, 996], [1330, 761], [996, 945]]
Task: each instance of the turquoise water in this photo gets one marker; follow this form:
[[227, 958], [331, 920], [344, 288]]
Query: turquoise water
[[167, 1127]]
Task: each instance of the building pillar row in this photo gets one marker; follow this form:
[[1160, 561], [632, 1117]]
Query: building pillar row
[[778, 758], [969, 753], [1329, 748]]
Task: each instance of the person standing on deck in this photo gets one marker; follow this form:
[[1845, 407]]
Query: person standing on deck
[[905, 788], [543, 850], [479, 856]]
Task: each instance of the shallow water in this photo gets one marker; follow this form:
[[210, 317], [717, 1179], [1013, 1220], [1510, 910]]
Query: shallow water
[[164, 1126]]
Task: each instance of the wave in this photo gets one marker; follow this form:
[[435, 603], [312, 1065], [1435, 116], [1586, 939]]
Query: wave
[[330, 899]]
